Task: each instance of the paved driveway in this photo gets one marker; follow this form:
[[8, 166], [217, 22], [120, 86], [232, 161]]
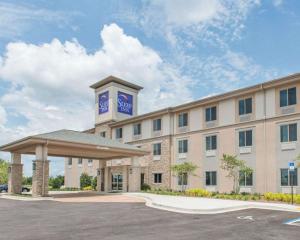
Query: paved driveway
[[59, 220]]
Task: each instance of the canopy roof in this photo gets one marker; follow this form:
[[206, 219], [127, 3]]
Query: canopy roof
[[68, 143]]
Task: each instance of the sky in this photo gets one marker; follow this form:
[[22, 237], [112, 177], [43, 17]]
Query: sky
[[178, 50]]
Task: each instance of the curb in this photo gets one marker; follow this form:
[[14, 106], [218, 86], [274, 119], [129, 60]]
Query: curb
[[151, 203], [20, 198]]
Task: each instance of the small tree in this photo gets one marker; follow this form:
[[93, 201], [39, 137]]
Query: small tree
[[181, 169], [56, 182], [234, 165], [85, 180], [3, 171], [27, 180], [94, 183]]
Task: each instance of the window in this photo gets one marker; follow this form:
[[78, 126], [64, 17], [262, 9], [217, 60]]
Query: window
[[211, 142], [183, 179], [103, 134], [157, 149], [211, 178], [157, 177], [211, 114], [288, 133], [245, 106], [182, 120], [288, 177], [137, 129], [79, 161], [157, 124], [70, 161], [90, 162], [119, 133], [246, 179], [288, 97], [245, 138], [183, 146]]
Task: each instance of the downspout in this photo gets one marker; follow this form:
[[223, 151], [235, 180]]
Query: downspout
[[265, 140]]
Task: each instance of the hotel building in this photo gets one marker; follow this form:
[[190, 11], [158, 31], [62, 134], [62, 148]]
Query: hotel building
[[258, 124]]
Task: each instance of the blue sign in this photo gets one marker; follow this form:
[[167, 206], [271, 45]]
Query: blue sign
[[125, 103], [103, 102], [291, 166]]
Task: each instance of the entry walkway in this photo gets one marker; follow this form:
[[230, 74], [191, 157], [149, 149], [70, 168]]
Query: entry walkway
[[197, 205], [90, 197]]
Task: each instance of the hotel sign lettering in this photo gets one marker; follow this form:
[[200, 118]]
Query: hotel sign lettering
[[125, 103], [103, 102]]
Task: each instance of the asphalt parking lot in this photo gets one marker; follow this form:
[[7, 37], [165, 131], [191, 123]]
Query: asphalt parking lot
[[57, 220]]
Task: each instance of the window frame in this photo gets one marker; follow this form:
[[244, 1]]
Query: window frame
[[243, 103], [182, 181], [212, 177], [103, 134], [289, 173], [137, 129], [154, 124], [70, 161], [245, 178], [79, 162], [286, 93], [209, 114], [209, 142], [119, 133], [157, 178], [245, 138], [182, 122], [154, 150], [287, 138], [182, 144]]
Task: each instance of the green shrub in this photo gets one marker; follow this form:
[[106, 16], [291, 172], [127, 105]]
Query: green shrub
[[88, 188], [198, 192], [85, 180], [94, 183], [56, 182], [145, 187]]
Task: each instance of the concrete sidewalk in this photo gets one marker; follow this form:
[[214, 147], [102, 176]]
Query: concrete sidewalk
[[197, 205]]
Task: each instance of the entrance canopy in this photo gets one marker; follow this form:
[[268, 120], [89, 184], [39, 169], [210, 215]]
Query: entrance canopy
[[68, 143]]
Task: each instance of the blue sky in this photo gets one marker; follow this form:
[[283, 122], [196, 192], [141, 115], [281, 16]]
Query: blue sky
[[51, 51]]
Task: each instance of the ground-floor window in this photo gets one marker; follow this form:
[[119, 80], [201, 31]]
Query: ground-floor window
[[211, 178], [246, 179], [70, 161], [288, 177], [183, 179], [157, 177]]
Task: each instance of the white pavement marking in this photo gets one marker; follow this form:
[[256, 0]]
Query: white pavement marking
[[246, 218]]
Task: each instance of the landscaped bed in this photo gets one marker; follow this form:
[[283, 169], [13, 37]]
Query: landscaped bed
[[272, 197]]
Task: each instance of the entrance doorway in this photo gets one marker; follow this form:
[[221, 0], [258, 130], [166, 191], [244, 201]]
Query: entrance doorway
[[117, 182]]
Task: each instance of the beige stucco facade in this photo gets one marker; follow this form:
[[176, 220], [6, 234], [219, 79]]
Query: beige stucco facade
[[267, 155]]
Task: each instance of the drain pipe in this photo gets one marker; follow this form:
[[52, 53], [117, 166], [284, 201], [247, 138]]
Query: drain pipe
[[265, 135]]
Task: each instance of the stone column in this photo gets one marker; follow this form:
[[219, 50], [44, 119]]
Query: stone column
[[134, 179], [15, 174], [100, 176], [107, 181], [40, 173], [125, 178]]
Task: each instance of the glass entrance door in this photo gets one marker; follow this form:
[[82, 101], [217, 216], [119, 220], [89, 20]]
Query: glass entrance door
[[117, 182]]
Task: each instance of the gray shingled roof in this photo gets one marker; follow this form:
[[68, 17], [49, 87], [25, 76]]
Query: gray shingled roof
[[84, 138]]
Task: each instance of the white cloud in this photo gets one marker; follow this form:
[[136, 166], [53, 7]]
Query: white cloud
[[16, 19], [277, 3], [3, 117], [50, 82]]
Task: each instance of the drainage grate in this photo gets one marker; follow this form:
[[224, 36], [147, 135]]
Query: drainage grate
[[294, 222]]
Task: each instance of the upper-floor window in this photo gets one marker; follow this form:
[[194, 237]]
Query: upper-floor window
[[70, 161], [245, 138], [157, 177], [90, 162], [211, 178], [245, 179], [103, 134], [288, 97], [211, 142], [288, 133], [157, 124], [245, 106], [119, 133], [182, 120], [137, 129], [79, 161], [288, 178], [183, 146], [157, 149], [211, 114]]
